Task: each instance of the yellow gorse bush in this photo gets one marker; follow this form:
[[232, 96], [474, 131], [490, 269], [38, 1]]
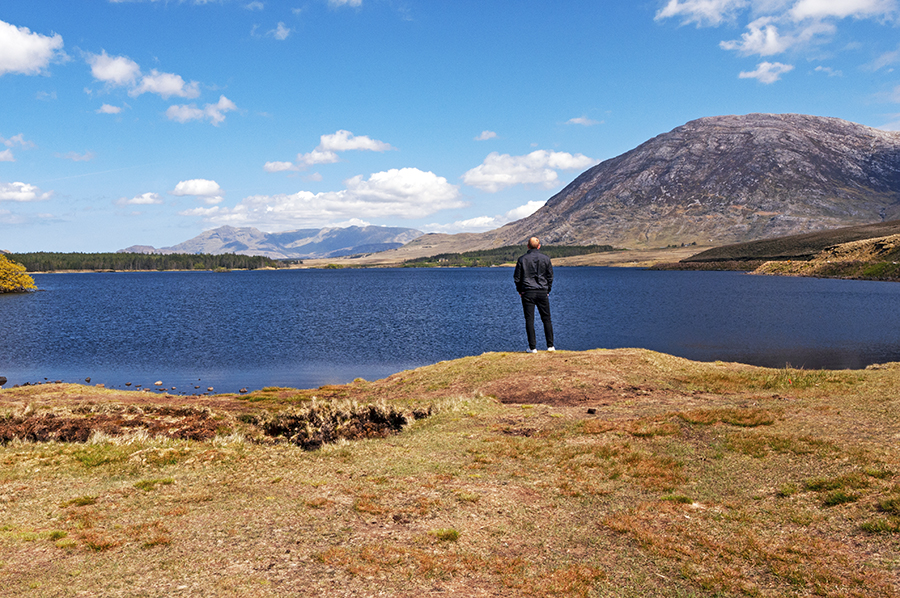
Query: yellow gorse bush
[[13, 278]]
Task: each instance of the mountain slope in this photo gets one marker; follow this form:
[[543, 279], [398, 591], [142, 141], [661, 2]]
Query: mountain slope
[[296, 244], [726, 179]]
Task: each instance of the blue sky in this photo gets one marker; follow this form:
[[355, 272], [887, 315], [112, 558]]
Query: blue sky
[[148, 122]]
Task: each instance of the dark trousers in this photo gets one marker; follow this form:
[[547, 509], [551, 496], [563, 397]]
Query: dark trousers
[[541, 299]]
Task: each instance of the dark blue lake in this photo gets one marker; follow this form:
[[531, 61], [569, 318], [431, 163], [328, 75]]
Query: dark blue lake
[[306, 328]]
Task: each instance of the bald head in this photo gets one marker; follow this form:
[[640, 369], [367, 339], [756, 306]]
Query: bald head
[[534, 243]]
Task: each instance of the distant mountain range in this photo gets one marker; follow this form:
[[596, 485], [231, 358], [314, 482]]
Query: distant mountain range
[[713, 181], [295, 244]]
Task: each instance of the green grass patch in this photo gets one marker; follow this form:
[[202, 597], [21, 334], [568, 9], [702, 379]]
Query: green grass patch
[[839, 497], [445, 534], [81, 501], [853, 481], [95, 455], [150, 485]]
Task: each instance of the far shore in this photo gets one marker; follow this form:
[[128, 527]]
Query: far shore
[[627, 258]]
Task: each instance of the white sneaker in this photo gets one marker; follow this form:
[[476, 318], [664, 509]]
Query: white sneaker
[[531, 350], [551, 348]]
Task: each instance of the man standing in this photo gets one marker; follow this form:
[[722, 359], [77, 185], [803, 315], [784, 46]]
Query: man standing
[[534, 279]]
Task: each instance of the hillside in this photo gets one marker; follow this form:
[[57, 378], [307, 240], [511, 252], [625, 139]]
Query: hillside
[[726, 179], [868, 259], [296, 244], [795, 247], [570, 474]]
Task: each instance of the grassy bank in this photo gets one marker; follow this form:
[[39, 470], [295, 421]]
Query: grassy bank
[[600, 473]]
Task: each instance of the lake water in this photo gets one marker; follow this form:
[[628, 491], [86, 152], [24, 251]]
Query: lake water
[[306, 328]]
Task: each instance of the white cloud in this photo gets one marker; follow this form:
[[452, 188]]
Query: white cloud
[[764, 39], [280, 32], [121, 71], [21, 192], [524, 211], [405, 193], [539, 168], [76, 157], [818, 9], [325, 152], [166, 85], [114, 70], [254, 6], [480, 224], [24, 52], [774, 27], [7, 156], [342, 141], [767, 72], [485, 135], [214, 113], [197, 187], [318, 156], [344, 2], [279, 166], [583, 121], [145, 199], [108, 109], [702, 12]]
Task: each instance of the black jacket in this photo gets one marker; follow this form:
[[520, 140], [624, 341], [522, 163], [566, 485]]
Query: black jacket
[[534, 272]]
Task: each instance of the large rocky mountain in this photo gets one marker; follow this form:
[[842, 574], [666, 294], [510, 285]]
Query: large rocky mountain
[[725, 179], [295, 244]]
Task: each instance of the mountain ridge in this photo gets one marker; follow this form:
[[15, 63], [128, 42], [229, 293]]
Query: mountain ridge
[[295, 244]]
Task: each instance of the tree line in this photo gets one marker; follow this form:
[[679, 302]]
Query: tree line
[[51, 262], [500, 255]]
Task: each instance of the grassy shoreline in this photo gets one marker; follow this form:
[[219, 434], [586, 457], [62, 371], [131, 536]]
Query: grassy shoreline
[[600, 473]]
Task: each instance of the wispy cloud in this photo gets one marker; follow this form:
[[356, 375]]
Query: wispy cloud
[[485, 135], [17, 141], [76, 157], [280, 32], [767, 72], [214, 113], [583, 121]]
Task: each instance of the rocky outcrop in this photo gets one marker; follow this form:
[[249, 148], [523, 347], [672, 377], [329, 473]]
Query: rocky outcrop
[[726, 179]]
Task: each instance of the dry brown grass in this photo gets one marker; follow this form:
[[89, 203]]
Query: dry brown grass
[[609, 473]]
